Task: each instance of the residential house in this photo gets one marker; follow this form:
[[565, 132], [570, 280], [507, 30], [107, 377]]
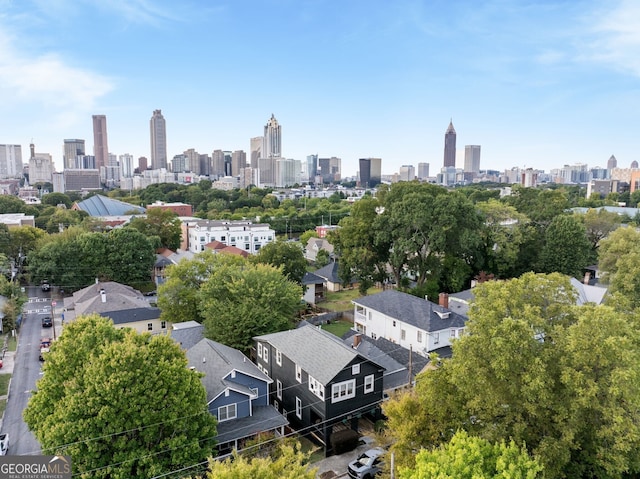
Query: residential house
[[245, 235], [125, 306], [164, 258], [237, 394], [319, 381], [331, 278], [219, 247], [314, 246], [187, 333], [408, 321], [314, 288]]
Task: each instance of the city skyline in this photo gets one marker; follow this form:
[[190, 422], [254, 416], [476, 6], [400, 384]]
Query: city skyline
[[537, 85]]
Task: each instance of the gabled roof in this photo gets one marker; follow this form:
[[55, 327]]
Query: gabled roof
[[412, 310], [220, 247], [588, 293], [132, 315], [99, 205], [187, 334], [319, 353], [329, 272], [217, 361], [264, 418], [310, 278]]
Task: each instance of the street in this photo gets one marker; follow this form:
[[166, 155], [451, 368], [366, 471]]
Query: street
[[27, 370]]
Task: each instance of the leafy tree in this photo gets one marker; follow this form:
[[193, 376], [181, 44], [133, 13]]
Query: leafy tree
[[164, 224], [620, 242], [130, 256], [567, 249], [11, 204], [322, 258], [598, 224], [305, 236], [55, 199], [120, 403], [466, 457], [288, 463], [240, 300], [287, 254], [562, 379]]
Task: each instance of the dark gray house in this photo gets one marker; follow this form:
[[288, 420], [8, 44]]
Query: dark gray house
[[318, 381], [237, 393]]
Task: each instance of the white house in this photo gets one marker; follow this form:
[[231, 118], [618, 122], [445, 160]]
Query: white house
[[241, 234], [408, 321]]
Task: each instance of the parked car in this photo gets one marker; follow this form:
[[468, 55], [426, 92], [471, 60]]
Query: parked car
[[4, 444], [47, 322], [368, 464], [45, 286], [45, 344]]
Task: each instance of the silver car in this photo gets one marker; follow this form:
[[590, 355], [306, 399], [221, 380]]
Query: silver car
[[368, 464]]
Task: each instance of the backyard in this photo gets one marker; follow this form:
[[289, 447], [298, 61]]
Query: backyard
[[341, 300]]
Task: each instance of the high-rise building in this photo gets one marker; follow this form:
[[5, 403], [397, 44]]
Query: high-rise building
[[238, 162], [217, 163], [143, 164], [472, 159], [10, 161], [311, 168], [272, 147], [73, 148], [450, 146], [193, 161], [370, 172], [100, 143], [612, 163], [158, 140], [179, 163], [423, 171], [407, 173], [40, 167], [255, 149], [329, 169], [205, 165], [126, 165], [227, 163]]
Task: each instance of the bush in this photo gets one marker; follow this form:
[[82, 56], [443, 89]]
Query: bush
[[344, 441]]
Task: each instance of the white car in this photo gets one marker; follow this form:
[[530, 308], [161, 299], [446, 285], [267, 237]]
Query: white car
[[4, 444], [368, 464]]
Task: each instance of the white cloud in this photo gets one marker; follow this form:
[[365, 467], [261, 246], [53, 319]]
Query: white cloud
[[46, 81], [617, 35]]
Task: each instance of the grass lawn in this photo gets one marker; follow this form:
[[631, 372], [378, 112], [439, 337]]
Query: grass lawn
[[317, 453], [12, 343], [338, 328], [3, 406], [4, 384], [341, 300]]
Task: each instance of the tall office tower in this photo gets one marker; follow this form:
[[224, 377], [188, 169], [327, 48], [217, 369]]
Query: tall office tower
[[227, 163], [40, 168], [423, 171], [255, 149], [126, 165], [450, 146], [158, 140], [205, 164], [193, 161], [217, 163], [100, 144], [86, 162], [272, 147], [312, 168], [179, 164], [10, 161], [407, 173], [288, 172], [72, 150], [370, 172], [238, 162], [472, 159], [143, 164], [612, 163], [113, 160]]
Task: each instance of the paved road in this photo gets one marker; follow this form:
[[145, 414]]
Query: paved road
[[26, 371]]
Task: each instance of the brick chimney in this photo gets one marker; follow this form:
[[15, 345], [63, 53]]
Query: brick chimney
[[443, 300], [357, 339]]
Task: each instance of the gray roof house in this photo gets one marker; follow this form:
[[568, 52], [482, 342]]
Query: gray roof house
[[237, 393], [187, 333], [125, 306], [330, 275], [411, 322], [319, 381]]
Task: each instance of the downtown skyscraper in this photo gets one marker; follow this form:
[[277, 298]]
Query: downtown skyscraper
[[272, 139], [450, 146], [100, 143], [158, 129]]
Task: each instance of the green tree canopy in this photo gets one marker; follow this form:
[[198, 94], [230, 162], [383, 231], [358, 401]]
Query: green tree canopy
[[164, 224], [121, 404], [465, 457], [566, 248], [287, 254], [598, 224], [535, 368], [55, 199]]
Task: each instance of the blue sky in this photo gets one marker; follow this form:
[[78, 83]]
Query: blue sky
[[536, 83]]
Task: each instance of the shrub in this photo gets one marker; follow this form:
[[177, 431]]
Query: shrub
[[344, 441]]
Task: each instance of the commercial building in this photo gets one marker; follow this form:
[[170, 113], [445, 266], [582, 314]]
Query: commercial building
[[10, 161], [158, 129], [100, 143], [450, 146]]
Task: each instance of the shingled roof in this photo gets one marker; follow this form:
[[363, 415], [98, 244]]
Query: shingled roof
[[412, 310]]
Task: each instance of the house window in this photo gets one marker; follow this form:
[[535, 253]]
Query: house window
[[278, 357], [298, 407], [343, 390], [316, 387], [150, 326], [201, 239], [419, 334], [163, 324], [260, 350], [278, 389], [276, 405], [355, 369], [223, 238], [436, 338], [452, 333], [403, 335], [265, 353], [368, 384], [298, 373], [233, 239], [227, 412], [247, 246]]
